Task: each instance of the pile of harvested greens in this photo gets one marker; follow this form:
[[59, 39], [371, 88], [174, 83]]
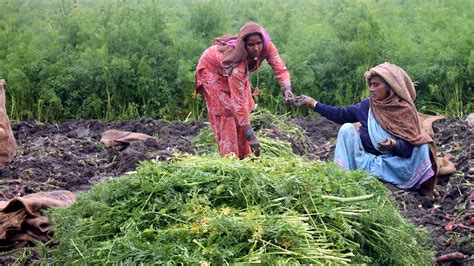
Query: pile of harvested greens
[[276, 135], [205, 209]]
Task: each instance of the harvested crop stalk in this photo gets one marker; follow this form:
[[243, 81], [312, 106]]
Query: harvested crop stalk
[[351, 199], [353, 214]]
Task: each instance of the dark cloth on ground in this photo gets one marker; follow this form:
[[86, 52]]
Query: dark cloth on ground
[[22, 221]]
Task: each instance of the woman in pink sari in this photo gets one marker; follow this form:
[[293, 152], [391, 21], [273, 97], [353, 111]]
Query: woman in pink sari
[[223, 75]]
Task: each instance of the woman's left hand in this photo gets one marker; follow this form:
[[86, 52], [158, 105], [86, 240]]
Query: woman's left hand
[[387, 144]]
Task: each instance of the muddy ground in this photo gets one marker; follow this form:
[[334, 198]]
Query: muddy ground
[[70, 156]]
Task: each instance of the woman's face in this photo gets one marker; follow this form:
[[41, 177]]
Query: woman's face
[[378, 88], [254, 45]]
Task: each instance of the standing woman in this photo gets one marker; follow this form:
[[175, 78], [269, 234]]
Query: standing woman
[[223, 75]]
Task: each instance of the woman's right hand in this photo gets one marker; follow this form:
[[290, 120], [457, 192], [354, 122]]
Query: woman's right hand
[[304, 100], [254, 146], [387, 144], [252, 139]]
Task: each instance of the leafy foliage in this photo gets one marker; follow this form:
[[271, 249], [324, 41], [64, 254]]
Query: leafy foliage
[[268, 125], [210, 210], [64, 59]]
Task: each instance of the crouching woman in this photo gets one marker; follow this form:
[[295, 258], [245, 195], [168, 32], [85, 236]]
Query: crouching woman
[[389, 142]]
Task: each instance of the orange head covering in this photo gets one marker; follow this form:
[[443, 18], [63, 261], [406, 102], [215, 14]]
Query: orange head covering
[[233, 46]]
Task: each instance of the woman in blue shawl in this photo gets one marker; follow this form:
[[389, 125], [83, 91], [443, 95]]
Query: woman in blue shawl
[[389, 142]]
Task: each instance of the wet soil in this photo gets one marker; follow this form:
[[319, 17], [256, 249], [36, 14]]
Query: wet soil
[[70, 156]]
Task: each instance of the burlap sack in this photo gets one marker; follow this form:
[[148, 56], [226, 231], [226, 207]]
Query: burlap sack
[[22, 221], [444, 165], [7, 140], [427, 121], [113, 138]]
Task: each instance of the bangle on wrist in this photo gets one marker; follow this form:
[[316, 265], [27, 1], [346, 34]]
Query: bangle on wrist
[[393, 143], [249, 134]]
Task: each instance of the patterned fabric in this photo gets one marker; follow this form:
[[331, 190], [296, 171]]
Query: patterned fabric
[[406, 173], [228, 98]]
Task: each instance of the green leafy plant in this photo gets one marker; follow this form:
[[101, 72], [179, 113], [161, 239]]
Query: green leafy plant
[[145, 53], [206, 209]]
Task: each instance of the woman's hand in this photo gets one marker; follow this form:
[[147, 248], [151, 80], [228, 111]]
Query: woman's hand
[[254, 146], [289, 97], [252, 139], [305, 100], [387, 144]]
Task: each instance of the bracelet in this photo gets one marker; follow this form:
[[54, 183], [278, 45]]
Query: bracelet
[[249, 133], [393, 144]]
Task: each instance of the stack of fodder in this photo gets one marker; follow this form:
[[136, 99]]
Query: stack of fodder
[[269, 147], [211, 210], [205, 139], [279, 127], [277, 134]]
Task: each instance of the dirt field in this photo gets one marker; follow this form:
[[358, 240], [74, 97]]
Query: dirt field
[[69, 156]]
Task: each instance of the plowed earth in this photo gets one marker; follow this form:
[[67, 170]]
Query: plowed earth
[[70, 156]]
